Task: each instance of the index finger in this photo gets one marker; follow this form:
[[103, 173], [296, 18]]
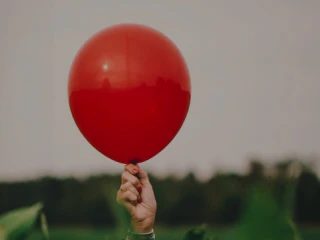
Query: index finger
[[128, 177], [131, 168]]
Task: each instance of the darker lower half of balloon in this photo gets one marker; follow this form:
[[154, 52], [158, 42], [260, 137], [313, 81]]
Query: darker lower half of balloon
[[129, 125]]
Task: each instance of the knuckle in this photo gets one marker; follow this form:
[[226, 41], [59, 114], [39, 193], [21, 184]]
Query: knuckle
[[134, 191], [131, 187], [129, 196], [133, 197], [136, 181], [127, 167]]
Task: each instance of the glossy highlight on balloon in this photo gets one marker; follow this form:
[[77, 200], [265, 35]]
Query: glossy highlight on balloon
[[129, 92]]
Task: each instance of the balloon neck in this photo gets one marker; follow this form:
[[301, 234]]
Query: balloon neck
[[134, 161]]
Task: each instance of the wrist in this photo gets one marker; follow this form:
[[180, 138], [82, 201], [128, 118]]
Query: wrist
[[141, 236], [143, 226]]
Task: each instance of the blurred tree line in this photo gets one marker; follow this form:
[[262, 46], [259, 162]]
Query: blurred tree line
[[219, 200]]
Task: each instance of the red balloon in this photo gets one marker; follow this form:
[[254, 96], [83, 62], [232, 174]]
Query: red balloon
[[129, 92]]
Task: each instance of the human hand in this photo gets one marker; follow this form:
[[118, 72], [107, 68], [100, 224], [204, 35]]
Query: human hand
[[137, 195]]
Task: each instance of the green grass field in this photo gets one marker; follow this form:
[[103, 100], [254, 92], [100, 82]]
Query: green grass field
[[161, 234]]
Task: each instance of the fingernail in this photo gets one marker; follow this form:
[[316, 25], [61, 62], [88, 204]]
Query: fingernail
[[139, 188], [139, 200], [134, 170]]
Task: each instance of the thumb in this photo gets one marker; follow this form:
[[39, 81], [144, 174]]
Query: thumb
[[143, 176]]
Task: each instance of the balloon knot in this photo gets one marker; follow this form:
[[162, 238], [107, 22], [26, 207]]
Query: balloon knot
[[134, 161]]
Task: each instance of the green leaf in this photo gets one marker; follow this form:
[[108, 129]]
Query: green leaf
[[44, 226], [2, 233], [17, 224], [122, 217]]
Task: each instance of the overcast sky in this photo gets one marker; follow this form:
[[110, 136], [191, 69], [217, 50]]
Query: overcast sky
[[254, 65]]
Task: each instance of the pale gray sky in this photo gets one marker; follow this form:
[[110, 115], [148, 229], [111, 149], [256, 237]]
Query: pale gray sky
[[254, 64]]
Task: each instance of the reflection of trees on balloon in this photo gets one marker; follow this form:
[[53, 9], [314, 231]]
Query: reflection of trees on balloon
[[130, 113], [106, 84]]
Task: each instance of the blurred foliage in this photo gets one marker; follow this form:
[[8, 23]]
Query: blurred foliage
[[19, 223], [262, 218], [187, 201], [259, 205]]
